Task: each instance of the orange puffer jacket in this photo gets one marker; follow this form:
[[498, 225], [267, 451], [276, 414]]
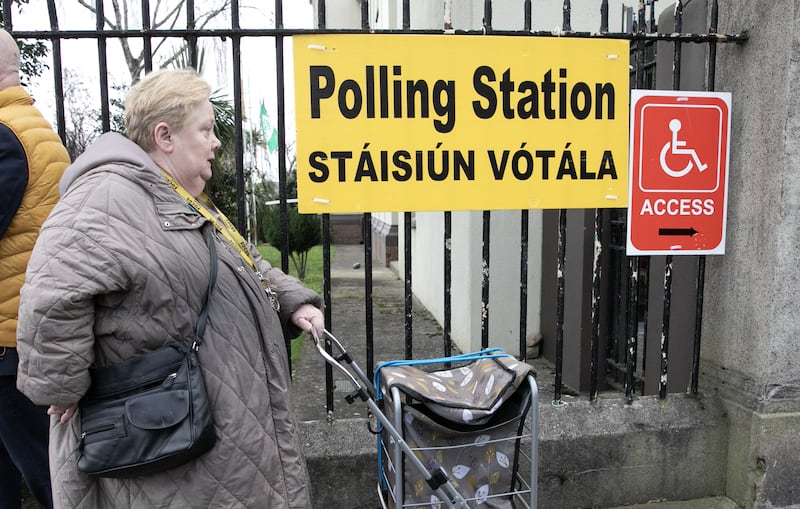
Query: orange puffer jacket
[[47, 159]]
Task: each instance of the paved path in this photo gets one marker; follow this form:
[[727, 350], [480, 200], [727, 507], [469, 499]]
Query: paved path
[[349, 326]]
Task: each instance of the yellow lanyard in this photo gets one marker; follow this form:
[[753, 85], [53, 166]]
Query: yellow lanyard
[[226, 228]]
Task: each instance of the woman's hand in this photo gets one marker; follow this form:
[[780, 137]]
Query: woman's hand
[[310, 319], [66, 412]]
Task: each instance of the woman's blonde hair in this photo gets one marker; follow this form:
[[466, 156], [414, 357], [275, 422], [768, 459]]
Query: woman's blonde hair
[[167, 95]]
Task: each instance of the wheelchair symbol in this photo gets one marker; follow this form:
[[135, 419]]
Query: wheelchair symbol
[[677, 147]]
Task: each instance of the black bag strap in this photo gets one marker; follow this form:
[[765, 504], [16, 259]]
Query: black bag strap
[[203, 318]]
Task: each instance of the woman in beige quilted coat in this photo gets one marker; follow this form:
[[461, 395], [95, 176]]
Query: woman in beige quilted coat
[[121, 267]]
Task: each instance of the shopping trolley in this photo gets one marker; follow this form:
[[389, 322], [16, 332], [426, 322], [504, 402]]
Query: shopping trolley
[[452, 431]]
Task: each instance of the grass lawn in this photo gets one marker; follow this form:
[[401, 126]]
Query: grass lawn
[[313, 279]]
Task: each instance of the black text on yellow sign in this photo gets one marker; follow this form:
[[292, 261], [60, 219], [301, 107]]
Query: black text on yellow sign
[[415, 122]]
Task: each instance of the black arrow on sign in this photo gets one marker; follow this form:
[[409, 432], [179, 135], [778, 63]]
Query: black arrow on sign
[[678, 231]]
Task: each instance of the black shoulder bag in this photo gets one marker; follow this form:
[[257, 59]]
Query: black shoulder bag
[[150, 413]]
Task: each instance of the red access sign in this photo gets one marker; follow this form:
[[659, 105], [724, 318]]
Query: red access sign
[[678, 181]]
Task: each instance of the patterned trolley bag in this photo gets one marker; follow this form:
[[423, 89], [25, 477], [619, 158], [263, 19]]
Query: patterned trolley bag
[[469, 420]]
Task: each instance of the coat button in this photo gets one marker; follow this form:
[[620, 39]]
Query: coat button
[[166, 223]]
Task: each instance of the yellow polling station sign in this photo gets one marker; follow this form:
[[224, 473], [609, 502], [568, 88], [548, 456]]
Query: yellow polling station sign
[[402, 122]]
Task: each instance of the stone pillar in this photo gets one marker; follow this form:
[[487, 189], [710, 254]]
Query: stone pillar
[[751, 320]]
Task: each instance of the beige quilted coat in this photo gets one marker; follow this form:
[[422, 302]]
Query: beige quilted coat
[[120, 267]]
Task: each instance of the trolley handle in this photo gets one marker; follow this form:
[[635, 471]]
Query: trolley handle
[[363, 389]]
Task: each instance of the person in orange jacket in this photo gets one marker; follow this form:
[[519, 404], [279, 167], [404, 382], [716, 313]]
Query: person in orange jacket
[[32, 160]]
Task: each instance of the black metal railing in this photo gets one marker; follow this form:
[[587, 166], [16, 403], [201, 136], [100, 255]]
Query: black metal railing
[[616, 316]]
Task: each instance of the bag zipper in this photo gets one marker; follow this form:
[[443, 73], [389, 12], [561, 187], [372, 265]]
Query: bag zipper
[[150, 382], [99, 429]]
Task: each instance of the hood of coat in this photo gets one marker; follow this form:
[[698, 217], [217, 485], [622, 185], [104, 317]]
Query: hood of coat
[[109, 148]]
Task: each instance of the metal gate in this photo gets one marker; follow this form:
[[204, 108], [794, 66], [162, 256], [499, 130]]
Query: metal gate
[[621, 290]]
